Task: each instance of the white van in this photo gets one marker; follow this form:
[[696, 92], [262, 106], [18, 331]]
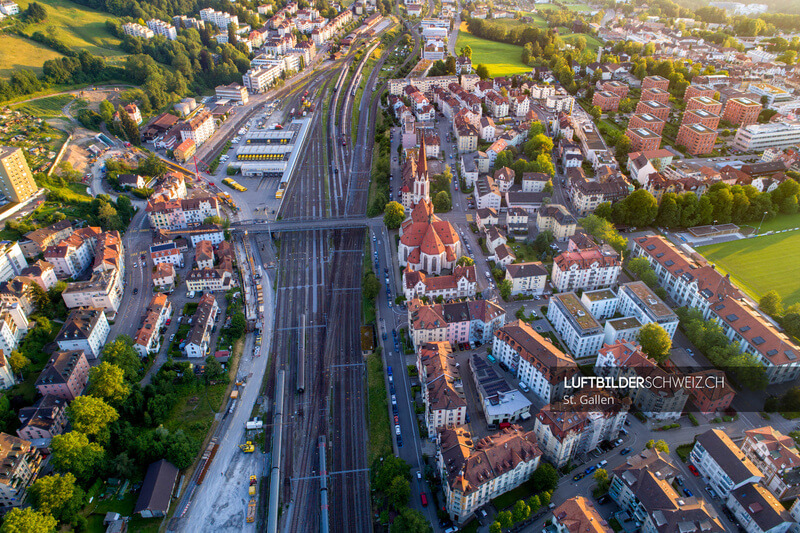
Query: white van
[[523, 387]]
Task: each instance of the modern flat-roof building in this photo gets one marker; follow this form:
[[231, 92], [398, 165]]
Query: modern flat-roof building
[[697, 139], [582, 334], [741, 111], [642, 139], [637, 300], [16, 180], [606, 101], [655, 81], [645, 120], [706, 103], [759, 137], [651, 107], [701, 116], [601, 303], [693, 91], [656, 94], [500, 402], [616, 87]]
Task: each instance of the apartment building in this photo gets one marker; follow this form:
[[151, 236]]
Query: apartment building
[[582, 334], [606, 101], [722, 464], [709, 400], [204, 255], [474, 471], [701, 116], [43, 420], [209, 280], [442, 390], [759, 137], [16, 180], [757, 510], [36, 241], [12, 260], [233, 92], [164, 277], [642, 486], [655, 94], [501, 404], [642, 139], [527, 278], [219, 19], [462, 283], [652, 107], [556, 219], [199, 338], [166, 253], [20, 463], [259, 78], [162, 28], [148, 338], [206, 232], [517, 220], [741, 111], [696, 138], [695, 91], [497, 105], [85, 329], [199, 128], [585, 269], [181, 213], [579, 514], [534, 360], [487, 194], [664, 400], [692, 283], [616, 87], [658, 82], [564, 429], [70, 257], [65, 375], [706, 103], [637, 300], [586, 195], [103, 290], [645, 120], [777, 457], [456, 322], [137, 30]]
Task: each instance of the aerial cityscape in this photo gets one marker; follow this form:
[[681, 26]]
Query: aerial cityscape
[[406, 267]]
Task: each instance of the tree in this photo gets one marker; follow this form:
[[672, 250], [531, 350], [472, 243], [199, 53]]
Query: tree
[[642, 208], [386, 470], [238, 325], [495, 527], [505, 289], [466, 51], [441, 202], [107, 381], [72, 452], [58, 496], [545, 478], [659, 445], [129, 127], [604, 211], [26, 520], [370, 285], [623, 148], [669, 215], [537, 128], [539, 144], [601, 478], [771, 303], [35, 12], [595, 112], [465, 261], [521, 511], [398, 492], [506, 519], [121, 353], [18, 361], [410, 521], [482, 71], [214, 370], [534, 503], [544, 497], [655, 341], [90, 415], [393, 215], [705, 210]]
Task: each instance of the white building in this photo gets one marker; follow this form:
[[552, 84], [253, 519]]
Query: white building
[[219, 19], [721, 463], [759, 137], [638, 301], [462, 283], [233, 92], [582, 334], [501, 404], [165, 29], [199, 128], [758, 511], [137, 30], [85, 329], [259, 78], [148, 338], [103, 290], [12, 260], [199, 338], [601, 303], [585, 269], [442, 391], [527, 278]]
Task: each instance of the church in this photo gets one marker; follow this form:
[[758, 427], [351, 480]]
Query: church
[[428, 243], [416, 184]]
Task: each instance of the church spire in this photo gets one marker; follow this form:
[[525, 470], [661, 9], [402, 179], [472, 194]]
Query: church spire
[[422, 160]]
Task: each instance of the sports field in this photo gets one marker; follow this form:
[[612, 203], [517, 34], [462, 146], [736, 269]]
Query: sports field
[[761, 264], [501, 59]]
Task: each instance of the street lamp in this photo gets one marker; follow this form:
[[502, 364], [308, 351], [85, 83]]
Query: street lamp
[[762, 221]]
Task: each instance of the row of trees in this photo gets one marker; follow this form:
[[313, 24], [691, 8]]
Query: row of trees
[[544, 481], [788, 317], [391, 480]]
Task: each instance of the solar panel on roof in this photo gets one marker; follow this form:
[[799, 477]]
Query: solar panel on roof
[[758, 341]]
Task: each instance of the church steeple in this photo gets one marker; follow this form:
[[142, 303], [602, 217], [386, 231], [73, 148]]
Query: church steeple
[[422, 160]]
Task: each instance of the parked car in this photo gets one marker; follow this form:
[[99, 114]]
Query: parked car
[[688, 493], [693, 470], [578, 477], [625, 451]]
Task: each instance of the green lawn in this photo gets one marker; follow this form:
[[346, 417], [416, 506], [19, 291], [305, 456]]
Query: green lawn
[[592, 42], [380, 433], [194, 414], [538, 22], [46, 107], [76, 26], [780, 222], [18, 53], [761, 264], [501, 59]]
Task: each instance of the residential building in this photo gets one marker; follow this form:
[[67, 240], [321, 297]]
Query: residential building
[[204, 254], [706, 103], [428, 243], [166, 253], [164, 277], [582, 334], [741, 111], [585, 269], [556, 219], [534, 360], [578, 514], [64, 376], [501, 404], [9, 8], [658, 82], [103, 290], [722, 464], [701, 116], [586, 194], [181, 213], [651, 107], [159, 27], [219, 19], [624, 328], [7, 379], [757, 510], [601, 303], [44, 419], [157, 487], [184, 151], [206, 232], [148, 338], [137, 30], [199, 338], [759, 137], [71, 257], [486, 217], [473, 321], [209, 280], [777, 457], [624, 359], [527, 278], [36, 241], [643, 139], [697, 139], [462, 283], [517, 220], [578, 424], [473, 472], [710, 400], [199, 128], [642, 486], [694, 91], [645, 120], [16, 180], [504, 178], [12, 260], [692, 283], [534, 181], [616, 87], [606, 101], [656, 94], [637, 300], [442, 390], [487, 194], [85, 329], [20, 462]]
